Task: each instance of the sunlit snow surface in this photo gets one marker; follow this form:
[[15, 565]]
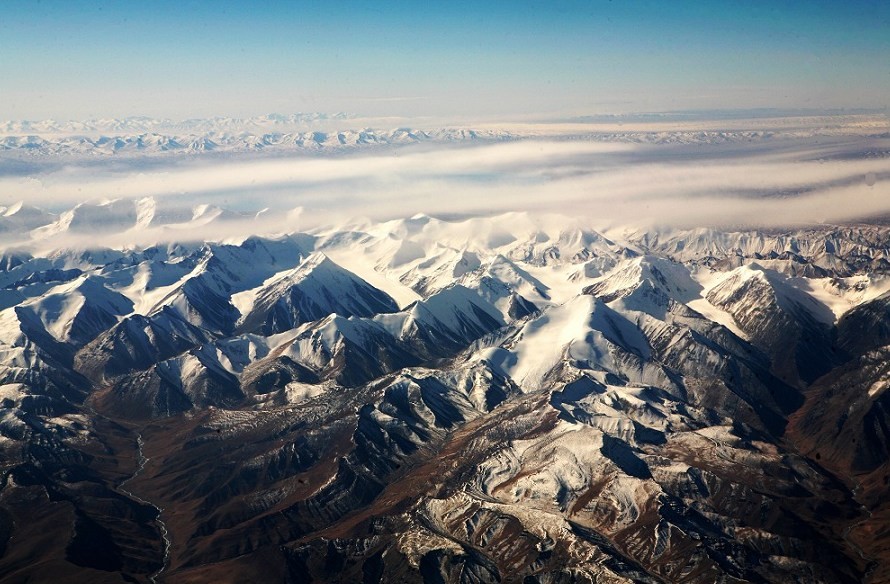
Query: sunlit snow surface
[[462, 284]]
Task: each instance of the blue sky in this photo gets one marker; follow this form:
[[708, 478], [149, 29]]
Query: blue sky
[[69, 59]]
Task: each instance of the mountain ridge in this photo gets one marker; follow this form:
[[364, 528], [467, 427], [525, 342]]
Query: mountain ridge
[[519, 415]]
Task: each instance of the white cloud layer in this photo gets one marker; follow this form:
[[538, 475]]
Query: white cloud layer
[[762, 184]]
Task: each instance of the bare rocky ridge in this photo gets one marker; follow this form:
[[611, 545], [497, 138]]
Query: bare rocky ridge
[[434, 401]]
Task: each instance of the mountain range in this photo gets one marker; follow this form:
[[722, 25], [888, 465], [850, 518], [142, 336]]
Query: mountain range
[[139, 136], [506, 398]]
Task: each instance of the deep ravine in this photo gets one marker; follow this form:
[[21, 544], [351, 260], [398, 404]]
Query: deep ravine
[[162, 527]]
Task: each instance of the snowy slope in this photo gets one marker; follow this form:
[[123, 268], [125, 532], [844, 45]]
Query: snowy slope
[[79, 311]]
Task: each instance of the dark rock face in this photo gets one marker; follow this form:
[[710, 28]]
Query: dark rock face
[[313, 290], [138, 342], [786, 324], [661, 426], [865, 327]]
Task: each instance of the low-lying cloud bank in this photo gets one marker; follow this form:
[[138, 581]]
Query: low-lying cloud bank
[[766, 183]]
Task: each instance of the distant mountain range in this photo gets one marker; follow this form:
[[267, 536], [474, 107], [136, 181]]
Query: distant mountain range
[[218, 140], [274, 132], [22, 224]]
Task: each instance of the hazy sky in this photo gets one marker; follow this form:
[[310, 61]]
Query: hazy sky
[[69, 59]]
